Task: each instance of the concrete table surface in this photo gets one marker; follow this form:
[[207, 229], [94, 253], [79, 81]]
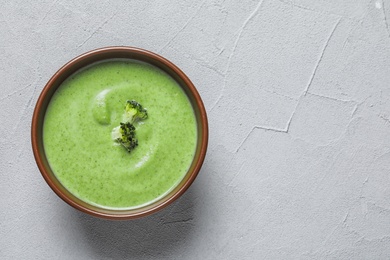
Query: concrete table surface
[[298, 98]]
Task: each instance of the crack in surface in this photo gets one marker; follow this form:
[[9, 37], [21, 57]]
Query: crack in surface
[[247, 20], [288, 125], [216, 102], [280, 94], [387, 120], [179, 221], [208, 66], [98, 29], [358, 105], [47, 13], [235, 175], [29, 103], [291, 118], [321, 56], [200, 62], [386, 22], [355, 110], [343, 223], [302, 7], [240, 31], [183, 27], [351, 31], [263, 128], [380, 209], [331, 98], [272, 129], [14, 92]]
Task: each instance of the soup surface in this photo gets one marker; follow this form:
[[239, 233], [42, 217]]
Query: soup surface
[[90, 164]]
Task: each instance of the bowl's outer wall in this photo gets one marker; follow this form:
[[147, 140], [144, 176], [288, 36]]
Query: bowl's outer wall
[[118, 53]]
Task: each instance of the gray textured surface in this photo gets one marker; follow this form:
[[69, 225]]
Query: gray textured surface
[[298, 97]]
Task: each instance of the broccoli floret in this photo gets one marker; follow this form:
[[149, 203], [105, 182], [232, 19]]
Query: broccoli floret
[[134, 112], [125, 135]]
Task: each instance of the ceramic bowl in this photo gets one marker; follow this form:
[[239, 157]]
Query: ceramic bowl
[[87, 59]]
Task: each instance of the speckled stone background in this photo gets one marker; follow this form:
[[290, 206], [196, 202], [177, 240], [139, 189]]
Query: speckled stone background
[[298, 98]]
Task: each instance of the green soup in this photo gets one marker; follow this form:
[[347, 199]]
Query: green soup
[[77, 134]]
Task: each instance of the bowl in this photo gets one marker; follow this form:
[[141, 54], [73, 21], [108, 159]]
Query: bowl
[[104, 54]]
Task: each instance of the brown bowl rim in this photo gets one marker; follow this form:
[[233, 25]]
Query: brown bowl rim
[[37, 140]]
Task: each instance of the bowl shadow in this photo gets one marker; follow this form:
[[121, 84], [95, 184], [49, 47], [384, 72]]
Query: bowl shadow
[[156, 235]]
